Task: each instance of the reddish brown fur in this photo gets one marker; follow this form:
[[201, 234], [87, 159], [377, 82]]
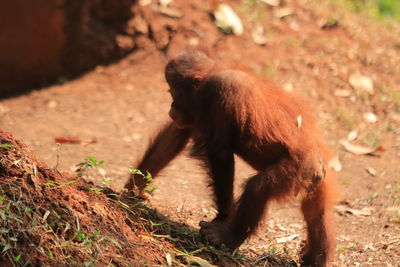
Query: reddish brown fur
[[228, 111]]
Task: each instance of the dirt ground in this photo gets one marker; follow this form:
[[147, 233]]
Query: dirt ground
[[123, 104]]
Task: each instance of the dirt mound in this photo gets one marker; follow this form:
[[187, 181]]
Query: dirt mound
[[48, 217], [53, 218]]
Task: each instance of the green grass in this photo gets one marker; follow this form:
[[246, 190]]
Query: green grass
[[389, 8], [382, 9]]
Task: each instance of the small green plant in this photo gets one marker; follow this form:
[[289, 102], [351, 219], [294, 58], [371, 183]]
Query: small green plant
[[375, 8], [89, 163], [272, 250], [6, 146], [80, 236], [54, 185], [151, 188], [389, 8], [94, 190]]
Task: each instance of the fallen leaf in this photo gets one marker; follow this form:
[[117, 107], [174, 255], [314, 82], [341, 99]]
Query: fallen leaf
[[342, 93], [359, 150], [272, 2], [165, 2], [283, 12], [393, 209], [145, 237], [371, 171], [168, 258], [370, 117], [227, 20], [285, 239], [370, 247], [361, 82], [74, 140], [299, 121], [367, 211], [197, 260], [335, 164], [46, 214], [258, 34], [327, 24], [102, 172], [67, 227], [352, 135], [280, 227]]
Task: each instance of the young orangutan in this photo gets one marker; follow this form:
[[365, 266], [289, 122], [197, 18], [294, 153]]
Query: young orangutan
[[226, 111]]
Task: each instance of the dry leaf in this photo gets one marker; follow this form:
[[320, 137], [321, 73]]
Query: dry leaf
[[370, 247], [199, 261], [328, 23], [342, 93], [299, 121], [352, 135], [393, 209], [164, 2], [361, 82], [102, 172], [283, 12], [335, 164], [272, 2], [367, 211], [145, 237], [168, 258], [227, 20], [371, 171], [285, 239], [370, 117], [280, 227], [258, 34], [359, 150], [74, 140], [46, 214], [67, 227]]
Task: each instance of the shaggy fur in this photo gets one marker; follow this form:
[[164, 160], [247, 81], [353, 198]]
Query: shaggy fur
[[226, 111]]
